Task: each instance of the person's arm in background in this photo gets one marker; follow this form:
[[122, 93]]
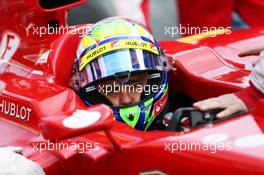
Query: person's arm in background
[[13, 163], [256, 89], [241, 101], [254, 50]]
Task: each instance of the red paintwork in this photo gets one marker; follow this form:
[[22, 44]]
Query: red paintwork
[[209, 68]]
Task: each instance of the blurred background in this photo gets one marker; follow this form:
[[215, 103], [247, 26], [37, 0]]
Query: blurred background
[[161, 14], [95, 10]]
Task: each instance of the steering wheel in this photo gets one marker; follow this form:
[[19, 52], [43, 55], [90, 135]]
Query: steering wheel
[[194, 116]]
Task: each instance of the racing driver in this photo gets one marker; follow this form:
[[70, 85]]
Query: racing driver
[[120, 64]]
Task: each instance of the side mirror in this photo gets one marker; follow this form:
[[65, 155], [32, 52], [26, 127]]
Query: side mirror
[[98, 117], [52, 5]]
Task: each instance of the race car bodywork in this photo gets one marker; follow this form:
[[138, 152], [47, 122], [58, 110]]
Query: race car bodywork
[[38, 109]]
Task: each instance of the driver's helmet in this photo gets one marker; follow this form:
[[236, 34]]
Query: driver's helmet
[[117, 48]]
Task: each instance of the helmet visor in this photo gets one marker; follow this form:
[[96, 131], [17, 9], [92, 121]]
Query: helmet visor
[[122, 61]]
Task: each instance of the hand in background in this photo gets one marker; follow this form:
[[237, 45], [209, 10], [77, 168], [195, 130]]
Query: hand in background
[[230, 104]]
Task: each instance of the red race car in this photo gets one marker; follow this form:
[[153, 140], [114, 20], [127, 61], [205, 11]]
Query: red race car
[[41, 114]]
